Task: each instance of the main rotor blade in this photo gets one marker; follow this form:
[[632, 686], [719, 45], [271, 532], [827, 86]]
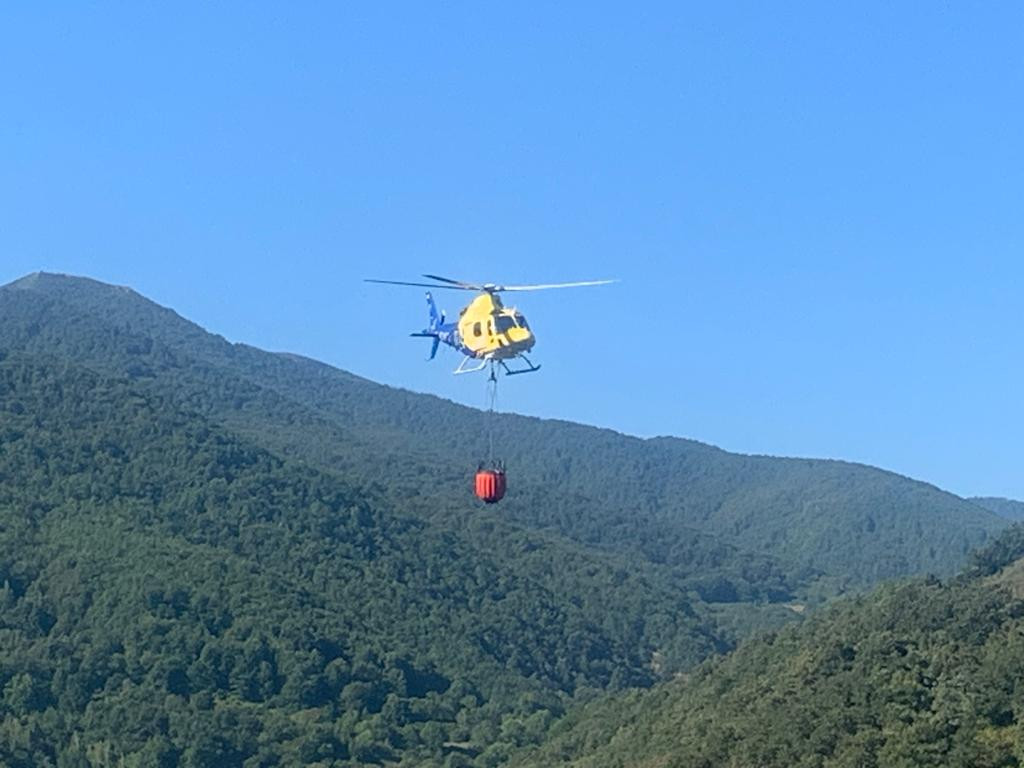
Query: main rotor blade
[[467, 286], [553, 285], [422, 285], [455, 285]]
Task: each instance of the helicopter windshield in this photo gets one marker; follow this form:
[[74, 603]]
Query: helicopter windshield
[[504, 323]]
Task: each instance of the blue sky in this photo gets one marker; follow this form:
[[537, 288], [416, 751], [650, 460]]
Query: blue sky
[[815, 209]]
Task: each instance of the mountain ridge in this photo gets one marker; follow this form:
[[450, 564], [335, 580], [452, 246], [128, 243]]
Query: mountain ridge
[[614, 561], [49, 280], [1010, 509], [147, 338]]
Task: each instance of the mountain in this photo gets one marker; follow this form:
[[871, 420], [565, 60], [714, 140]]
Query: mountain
[[921, 674], [170, 589], [214, 555], [650, 499], [1008, 509]]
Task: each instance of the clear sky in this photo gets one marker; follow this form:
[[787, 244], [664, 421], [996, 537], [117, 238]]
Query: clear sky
[[816, 209]]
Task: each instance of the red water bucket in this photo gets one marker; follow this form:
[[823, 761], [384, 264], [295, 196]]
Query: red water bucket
[[490, 485]]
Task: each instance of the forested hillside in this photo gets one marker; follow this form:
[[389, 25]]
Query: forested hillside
[[767, 525], [170, 589], [213, 555], [924, 674]]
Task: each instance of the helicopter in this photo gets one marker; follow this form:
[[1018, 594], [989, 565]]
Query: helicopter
[[487, 332]]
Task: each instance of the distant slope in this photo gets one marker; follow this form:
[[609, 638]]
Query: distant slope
[[924, 674], [773, 523], [1008, 509]]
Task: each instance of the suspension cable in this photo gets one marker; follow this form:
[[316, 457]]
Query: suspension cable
[[492, 405]]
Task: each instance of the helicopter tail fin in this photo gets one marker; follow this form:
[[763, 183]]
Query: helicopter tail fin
[[436, 318], [434, 330]]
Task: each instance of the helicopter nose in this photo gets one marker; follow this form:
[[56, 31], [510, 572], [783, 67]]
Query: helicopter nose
[[517, 335]]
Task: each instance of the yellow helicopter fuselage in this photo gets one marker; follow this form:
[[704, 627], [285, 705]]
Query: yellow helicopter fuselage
[[489, 330], [487, 333]]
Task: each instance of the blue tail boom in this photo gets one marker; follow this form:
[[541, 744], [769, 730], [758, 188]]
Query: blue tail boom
[[438, 330]]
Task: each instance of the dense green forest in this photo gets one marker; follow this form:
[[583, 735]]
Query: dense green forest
[[213, 555], [156, 567], [921, 674], [746, 527]]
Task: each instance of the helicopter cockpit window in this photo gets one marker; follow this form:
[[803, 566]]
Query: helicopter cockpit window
[[504, 323], [521, 321], [476, 329]]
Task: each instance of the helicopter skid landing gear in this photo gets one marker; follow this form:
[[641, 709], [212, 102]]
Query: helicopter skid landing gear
[[479, 366], [530, 369], [463, 369]]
